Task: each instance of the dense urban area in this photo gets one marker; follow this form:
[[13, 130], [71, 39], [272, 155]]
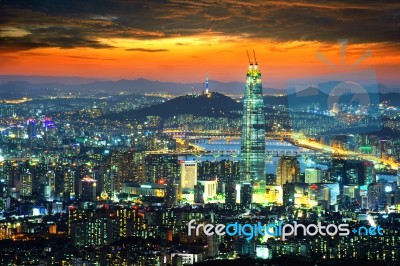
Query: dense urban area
[[98, 179]]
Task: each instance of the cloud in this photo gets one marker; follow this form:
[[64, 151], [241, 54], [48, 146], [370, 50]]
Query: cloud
[[146, 50], [70, 24]]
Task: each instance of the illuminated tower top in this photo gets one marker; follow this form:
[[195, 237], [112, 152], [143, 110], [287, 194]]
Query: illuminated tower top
[[253, 73], [206, 84]]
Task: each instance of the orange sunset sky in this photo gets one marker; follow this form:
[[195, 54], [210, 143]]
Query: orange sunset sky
[[182, 40]]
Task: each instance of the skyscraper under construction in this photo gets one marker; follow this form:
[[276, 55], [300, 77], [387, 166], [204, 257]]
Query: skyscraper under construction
[[253, 127]]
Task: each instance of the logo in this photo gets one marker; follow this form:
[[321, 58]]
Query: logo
[[280, 230]]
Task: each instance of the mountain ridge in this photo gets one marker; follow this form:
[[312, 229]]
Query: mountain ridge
[[14, 87]]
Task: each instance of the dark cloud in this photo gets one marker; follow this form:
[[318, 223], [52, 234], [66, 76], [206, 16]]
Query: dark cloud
[[69, 24], [146, 50]]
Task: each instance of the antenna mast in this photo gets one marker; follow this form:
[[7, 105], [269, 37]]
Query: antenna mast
[[255, 59], [248, 56]]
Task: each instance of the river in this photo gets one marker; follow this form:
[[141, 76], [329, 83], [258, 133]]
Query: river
[[271, 145]]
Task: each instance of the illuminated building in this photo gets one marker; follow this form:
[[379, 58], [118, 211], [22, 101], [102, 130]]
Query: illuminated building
[[253, 127], [87, 189], [351, 191], [352, 172], [48, 124], [49, 186], [246, 194], [31, 128], [7, 110], [172, 193], [230, 192], [161, 165], [209, 188], [312, 175], [146, 189], [338, 172], [69, 185], [288, 170], [369, 173], [115, 257], [226, 171], [186, 259], [188, 176], [274, 194], [263, 252], [376, 193], [26, 184], [126, 166], [384, 148], [122, 222], [90, 227], [50, 133], [293, 191], [398, 176], [198, 193], [3, 194], [325, 194], [244, 247]]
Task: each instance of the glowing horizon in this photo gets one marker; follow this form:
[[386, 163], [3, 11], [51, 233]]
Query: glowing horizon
[[190, 39]]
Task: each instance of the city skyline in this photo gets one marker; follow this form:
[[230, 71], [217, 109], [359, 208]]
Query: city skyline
[[140, 133], [157, 41]]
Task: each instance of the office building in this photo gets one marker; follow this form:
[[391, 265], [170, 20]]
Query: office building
[[288, 170], [253, 127], [312, 175]]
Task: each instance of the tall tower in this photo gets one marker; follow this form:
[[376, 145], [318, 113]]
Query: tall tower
[[253, 127], [206, 84]]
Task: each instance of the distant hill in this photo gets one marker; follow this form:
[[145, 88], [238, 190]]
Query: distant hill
[[214, 105], [14, 86], [48, 79], [36, 86]]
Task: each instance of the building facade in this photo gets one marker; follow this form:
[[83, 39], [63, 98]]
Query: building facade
[[253, 127]]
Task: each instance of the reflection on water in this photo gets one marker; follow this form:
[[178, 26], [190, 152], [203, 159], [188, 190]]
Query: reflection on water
[[271, 145]]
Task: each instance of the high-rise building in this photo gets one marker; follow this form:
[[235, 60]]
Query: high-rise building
[[230, 193], [375, 195], [352, 172], [274, 194], [161, 165], [312, 175], [7, 110], [125, 166], [49, 185], [288, 170], [398, 176], [210, 188], [31, 130], [26, 184], [226, 171], [325, 193], [171, 194], [246, 192], [69, 185], [253, 127], [87, 189], [199, 193], [188, 176], [294, 193]]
